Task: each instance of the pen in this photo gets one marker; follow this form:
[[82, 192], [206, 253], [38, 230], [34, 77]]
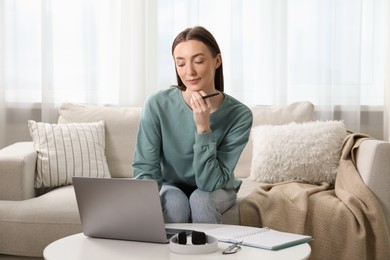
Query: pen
[[204, 97], [210, 95]]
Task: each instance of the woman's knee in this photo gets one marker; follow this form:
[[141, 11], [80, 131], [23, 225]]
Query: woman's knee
[[219, 199], [208, 207], [175, 205]]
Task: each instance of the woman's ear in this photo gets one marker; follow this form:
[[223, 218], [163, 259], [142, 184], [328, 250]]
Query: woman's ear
[[218, 60]]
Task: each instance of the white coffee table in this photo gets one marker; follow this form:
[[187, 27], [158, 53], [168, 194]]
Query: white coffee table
[[81, 247]]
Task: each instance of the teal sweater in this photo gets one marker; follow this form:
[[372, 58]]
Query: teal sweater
[[169, 150]]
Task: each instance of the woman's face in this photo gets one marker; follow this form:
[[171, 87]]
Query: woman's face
[[195, 65]]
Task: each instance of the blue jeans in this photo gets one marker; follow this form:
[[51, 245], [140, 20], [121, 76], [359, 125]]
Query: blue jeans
[[200, 206]]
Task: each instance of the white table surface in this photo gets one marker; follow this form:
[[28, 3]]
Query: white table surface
[[79, 246]]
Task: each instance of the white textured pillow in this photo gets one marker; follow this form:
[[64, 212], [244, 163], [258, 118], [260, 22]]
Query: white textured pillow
[[67, 150], [272, 115], [297, 151]]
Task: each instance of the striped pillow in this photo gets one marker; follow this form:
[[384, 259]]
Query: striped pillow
[[67, 150]]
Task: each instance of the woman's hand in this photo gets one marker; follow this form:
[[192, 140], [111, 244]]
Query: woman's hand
[[201, 109]]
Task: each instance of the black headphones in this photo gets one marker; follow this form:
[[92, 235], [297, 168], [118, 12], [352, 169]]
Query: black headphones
[[197, 238], [201, 243]]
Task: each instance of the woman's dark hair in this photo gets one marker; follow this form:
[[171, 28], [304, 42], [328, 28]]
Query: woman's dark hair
[[199, 33]]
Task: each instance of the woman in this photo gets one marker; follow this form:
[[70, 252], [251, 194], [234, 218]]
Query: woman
[[188, 144]]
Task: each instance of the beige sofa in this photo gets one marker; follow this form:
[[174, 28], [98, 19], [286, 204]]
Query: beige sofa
[[32, 218]]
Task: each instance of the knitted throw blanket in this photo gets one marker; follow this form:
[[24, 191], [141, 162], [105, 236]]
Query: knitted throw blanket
[[346, 222]]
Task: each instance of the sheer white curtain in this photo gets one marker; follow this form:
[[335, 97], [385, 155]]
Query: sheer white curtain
[[330, 52], [116, 52], [83, 51]]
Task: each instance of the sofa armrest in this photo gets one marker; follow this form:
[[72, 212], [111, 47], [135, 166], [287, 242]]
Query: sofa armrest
[[373, 164], [17, 171]]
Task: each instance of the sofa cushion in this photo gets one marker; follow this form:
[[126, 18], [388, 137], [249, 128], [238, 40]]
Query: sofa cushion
[[273, 115], [308, 152], [121, 124], [232, 215], [28, 226], [67, 150]]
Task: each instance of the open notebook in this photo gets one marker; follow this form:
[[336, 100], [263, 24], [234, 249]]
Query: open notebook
[[265, 238]]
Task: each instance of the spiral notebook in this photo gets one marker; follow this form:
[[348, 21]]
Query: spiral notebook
[[264, 238]]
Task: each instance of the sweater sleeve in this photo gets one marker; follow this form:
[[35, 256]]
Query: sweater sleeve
[[214, 165], [146, 161]]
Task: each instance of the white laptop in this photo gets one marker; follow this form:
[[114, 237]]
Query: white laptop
[[121, 208]]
